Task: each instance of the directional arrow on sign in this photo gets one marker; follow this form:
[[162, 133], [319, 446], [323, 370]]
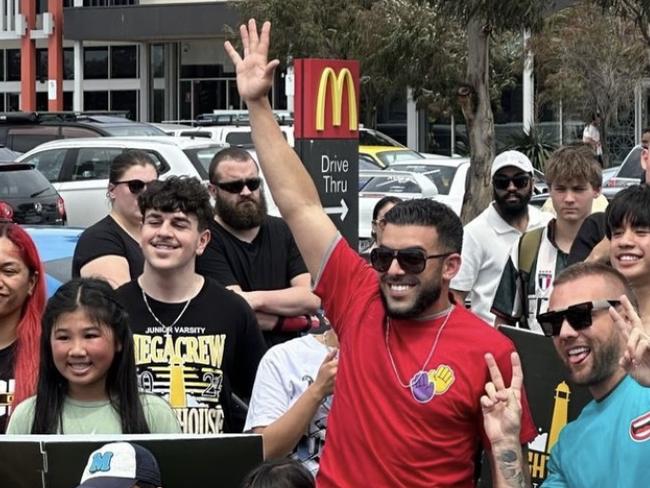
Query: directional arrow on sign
[[343, 210]]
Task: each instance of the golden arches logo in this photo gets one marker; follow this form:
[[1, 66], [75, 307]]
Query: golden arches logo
[[329, 81]]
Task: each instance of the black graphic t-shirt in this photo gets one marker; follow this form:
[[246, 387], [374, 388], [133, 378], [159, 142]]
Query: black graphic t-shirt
[[211, 352], [7, 384], [106, 238]]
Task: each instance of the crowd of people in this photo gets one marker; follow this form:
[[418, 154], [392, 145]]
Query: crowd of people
[[184, 317]]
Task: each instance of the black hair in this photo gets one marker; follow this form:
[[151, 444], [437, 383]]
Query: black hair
[[644, 130], [429, 213], [382, 203], [127, 159], [178, 194], [230, 153], [99, 301], [279, 473], [378, 206], [630, 206]]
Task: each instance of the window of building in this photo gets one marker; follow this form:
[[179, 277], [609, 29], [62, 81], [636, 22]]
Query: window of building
[[2, 66], [41, 64], [124, 62], [96, 100], [13, 102], [41, 101], [95, 63], [125, 100], [67, 100], [158, 59], [13, 64], [68, 63]]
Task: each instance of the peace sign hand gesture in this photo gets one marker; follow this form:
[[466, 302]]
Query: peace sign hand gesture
[[636, 357], [501, 405], [254, 71]]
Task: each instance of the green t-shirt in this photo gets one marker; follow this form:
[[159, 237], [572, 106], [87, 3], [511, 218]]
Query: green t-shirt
[[98, 417]]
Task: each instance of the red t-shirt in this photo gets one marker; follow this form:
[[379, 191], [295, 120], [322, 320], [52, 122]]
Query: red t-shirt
[[378, 434]]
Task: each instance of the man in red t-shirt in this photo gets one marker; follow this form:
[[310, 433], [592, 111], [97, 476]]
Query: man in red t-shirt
[[407, 407]]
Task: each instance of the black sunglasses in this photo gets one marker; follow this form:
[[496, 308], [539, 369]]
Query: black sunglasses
[[135, 186], [238, 185], [502, 182], [411, 260], [579, 316]]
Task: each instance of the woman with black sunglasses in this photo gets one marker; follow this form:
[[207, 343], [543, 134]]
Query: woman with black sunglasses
[[110, 249]]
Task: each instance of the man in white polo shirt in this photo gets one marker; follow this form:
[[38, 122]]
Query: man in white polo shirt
[[490, 236]]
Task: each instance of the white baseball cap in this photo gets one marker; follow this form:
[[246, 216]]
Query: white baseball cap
[[511, 158], [120, 465]]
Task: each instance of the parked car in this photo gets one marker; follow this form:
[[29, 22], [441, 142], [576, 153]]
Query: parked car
[[22, 131], [234, 135], [384, 156], [79, 168], [627, 174], [55, 247], [378, 184], [27, 197], [448, 174]]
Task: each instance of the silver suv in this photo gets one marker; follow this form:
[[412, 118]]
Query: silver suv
[[78, 168]]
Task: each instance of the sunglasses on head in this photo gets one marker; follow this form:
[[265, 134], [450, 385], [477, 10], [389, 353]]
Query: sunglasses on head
[[238, 185], [579, 316], [502, 182], [135, 186], [411, 260]]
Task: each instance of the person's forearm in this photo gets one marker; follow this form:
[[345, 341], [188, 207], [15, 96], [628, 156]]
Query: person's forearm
[[291, 185], [282, 436], [288, 302], [508, 466]]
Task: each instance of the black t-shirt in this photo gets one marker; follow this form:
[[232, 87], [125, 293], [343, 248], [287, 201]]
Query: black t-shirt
[[269, 262], [591, 232], [7, 387], [107, 238], [211, 351]]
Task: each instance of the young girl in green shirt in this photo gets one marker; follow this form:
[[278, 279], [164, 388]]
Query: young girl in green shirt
[[87, 379]]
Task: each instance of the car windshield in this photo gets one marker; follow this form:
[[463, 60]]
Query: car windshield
[[133, 130], [390, 157], [24, 183], [442, 176], [374, 138], [392, 184], [201, 158]]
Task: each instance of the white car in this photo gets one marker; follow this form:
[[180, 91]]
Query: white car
[[234, 135], [377, 184], [79, 168], [448, 175]]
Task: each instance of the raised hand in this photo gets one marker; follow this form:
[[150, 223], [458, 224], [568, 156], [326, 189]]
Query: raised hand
[[636, 357], [326, 377], [501, 405], [254, 71]]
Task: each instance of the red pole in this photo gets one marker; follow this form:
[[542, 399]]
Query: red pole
[[28, 58], [55, 55]]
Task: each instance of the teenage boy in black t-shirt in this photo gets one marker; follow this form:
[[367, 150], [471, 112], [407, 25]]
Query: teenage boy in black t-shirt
[[196, 343]]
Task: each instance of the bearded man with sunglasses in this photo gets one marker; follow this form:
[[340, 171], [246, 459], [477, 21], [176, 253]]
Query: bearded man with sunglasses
[[406, 407], [598, 335], [490, 236], [254, 254]]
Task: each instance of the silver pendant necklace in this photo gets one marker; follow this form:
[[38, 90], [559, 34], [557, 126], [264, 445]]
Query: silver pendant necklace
[[167, 328], [421, 389]]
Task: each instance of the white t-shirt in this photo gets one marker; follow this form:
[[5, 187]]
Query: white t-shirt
[[284, 373], [592, 132], [487, 241]]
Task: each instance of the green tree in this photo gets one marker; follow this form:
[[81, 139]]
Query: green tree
[[589, 58], [441, 48]]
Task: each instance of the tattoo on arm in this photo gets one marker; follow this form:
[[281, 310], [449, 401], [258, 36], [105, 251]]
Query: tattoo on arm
[[509, 465]]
